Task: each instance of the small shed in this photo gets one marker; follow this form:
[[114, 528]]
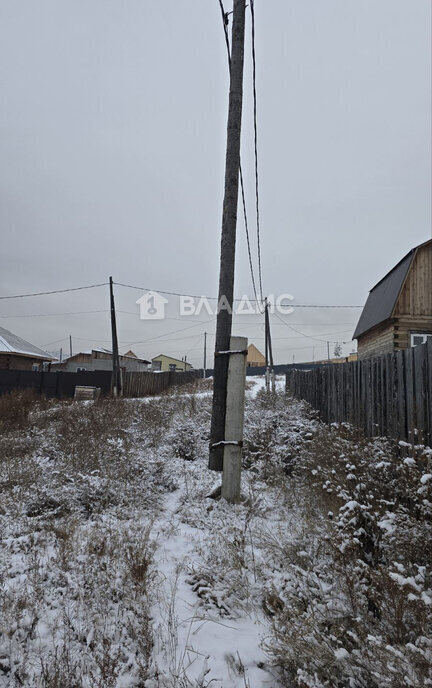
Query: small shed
[[18, 354], [398, 311]]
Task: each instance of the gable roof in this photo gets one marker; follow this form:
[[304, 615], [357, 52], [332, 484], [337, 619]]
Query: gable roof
[[384, 295], [253, 351], [10, 343], [100, 350]]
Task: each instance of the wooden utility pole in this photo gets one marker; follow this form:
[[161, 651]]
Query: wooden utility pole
[[270, 349], [70, 345], [228, 239], [116, 377], [267, 370]]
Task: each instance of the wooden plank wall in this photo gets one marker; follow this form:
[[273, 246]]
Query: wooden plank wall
[[143, 384], [389, 395]]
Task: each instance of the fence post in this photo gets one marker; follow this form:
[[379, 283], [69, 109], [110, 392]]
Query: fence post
[[232, 455]]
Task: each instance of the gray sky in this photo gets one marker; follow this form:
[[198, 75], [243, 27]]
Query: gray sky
[[113, 124]]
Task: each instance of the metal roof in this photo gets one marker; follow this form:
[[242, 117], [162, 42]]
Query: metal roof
[[171, 358], [12, 344], [101, 350], [383, 296]]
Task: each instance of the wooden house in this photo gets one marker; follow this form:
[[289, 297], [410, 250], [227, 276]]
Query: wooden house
[[101, 359], [398, 311], [18, 354], [163, 363], [255, 358]]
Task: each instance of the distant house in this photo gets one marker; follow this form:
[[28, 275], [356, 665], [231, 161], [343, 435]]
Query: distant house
[[18, 354], [101, 359], [255, 359], [398, 311], [166, 363]]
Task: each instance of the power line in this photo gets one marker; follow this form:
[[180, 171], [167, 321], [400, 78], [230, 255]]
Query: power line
[[159, 291], [307, 336], [56, 341], [57, 291], [49, 315], [215, 298], [151, 339]]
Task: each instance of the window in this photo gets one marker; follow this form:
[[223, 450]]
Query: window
[[80, 370], [420, 338], [172, 367], [35, 367]]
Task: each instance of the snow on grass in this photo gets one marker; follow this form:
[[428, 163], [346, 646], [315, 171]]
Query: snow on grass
[[210, 624], [118, 570]]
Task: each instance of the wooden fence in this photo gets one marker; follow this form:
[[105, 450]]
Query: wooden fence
[[385, 396], [144, 384], [58, 384], [61, 385]]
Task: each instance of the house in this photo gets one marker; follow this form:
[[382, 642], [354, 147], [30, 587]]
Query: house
[[255, 359], [398, 311], [18, 354], [165, 363], [101, 359]]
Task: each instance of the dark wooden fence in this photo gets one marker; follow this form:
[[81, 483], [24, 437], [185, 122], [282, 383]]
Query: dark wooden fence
[[58, 384], [145, 384], [62, 385], [385, 396]]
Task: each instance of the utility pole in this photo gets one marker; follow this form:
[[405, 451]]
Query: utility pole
[[61, 354], [70, 345], [116, 379], [185, 364], [205, 355], [232, 459], [328, 352], [270, 350], [228, 240], [267, 370]]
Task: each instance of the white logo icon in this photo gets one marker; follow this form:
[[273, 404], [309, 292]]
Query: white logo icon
[[152, 306]]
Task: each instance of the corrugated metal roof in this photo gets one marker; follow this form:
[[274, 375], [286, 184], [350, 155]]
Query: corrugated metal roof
[[383, 296], [12, 344]]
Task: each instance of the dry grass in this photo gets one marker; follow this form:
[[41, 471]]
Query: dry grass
[[354, 610]]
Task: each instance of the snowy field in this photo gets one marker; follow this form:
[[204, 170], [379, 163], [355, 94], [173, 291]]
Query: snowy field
[[117, 570]]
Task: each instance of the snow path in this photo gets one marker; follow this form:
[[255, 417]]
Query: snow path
[[195, 646], [258, 382]]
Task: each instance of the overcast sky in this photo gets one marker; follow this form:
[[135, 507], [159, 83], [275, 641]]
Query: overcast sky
[[113, 127]]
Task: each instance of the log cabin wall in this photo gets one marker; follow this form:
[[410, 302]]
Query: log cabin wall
[[413, 309], [12, 362], [377, 341]]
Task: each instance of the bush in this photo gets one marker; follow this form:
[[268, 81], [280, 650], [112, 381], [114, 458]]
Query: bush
[[358, 611], [16, 406]]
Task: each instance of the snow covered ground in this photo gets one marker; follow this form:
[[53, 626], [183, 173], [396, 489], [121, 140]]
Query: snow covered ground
[[118, 570]]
